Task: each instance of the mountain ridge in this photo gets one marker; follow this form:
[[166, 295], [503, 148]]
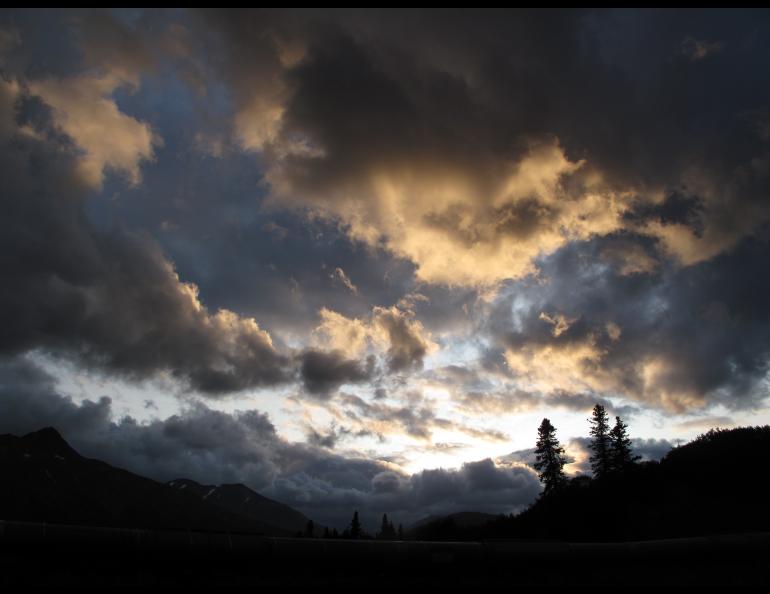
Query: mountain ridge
[[46, 480], [240, 499]]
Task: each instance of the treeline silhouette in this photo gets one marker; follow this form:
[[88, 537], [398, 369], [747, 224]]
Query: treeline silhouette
[[355, 531], [712, 485]]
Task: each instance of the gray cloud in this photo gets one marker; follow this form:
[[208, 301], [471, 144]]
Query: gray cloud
[[108, 298], [415, 416], [214, 447], [333, 435], [412, 72], [605, 171], [510, 401], [323, 372], [677, 338], [407, 347], [579, 453]]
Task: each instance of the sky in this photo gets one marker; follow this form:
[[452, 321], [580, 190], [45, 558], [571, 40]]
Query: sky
[[352, 258]]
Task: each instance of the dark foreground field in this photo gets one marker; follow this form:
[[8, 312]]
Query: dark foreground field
[[55, 555]]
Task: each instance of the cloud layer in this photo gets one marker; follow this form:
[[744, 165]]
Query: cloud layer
[[214, 447], [406, 234]]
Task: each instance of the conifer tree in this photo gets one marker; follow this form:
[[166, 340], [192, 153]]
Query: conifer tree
[[621, 454], [355, 526], [387, 532], [600, 442], [549, 458]]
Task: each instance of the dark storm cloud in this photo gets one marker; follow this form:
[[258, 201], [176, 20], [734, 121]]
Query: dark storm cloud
[[333, 436], [324, 372], [606, 171], [405, 98], [677, 338], [407, 347], [632, 93], [480, 485], [213, 447], [106, 297]]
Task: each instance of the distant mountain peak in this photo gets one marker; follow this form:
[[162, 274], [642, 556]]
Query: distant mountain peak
[[48, 440], [49, 481], [241, 499]]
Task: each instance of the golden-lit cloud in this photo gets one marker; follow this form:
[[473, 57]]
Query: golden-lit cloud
[[441, 164], [662, 385], [458, 228], [84, 108], [391, 330], [559, 322], [337, 332], [548, 368]]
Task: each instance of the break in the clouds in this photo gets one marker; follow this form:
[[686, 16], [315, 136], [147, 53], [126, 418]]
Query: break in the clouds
[[393, 240], [244, 446]]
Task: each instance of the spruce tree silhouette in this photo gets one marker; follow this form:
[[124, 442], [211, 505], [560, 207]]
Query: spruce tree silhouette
[[600, 444], [387, 532], [355, 526], [400, 532], [549, 458], [310, 529], [621, 454]]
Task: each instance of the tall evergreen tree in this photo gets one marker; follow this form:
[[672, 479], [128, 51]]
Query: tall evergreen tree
[[383, 527], [400, 532], [600, 442], [549, 457], [387, 532], [310, 529], [621, 454], [355, 526]]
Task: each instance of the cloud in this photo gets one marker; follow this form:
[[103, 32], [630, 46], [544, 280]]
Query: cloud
[[571, 207], [705, 423], [338, 275], [107, 298], [416, 417], [324, 372], [507, 401], [214, 447], [349, 129], [109, 139], [337, 332], [578, 453], [676, 339], [696, 50], [392, 329], [404, 335], [331, 437]]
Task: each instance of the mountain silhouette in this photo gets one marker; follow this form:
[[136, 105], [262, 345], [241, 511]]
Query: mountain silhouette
[[455, 526], [46, 480], [240, 499]]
